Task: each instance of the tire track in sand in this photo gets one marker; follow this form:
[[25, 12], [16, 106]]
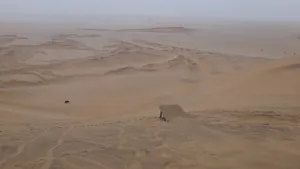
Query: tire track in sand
[[19, 150], [49, 156]]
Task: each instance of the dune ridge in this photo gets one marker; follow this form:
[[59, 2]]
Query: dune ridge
[[160, 29], [166, 29]]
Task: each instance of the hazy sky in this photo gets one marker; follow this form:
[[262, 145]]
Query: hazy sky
[[229, 9]]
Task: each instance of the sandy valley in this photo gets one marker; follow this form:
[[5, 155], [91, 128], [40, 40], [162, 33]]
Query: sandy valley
[[239, 85]]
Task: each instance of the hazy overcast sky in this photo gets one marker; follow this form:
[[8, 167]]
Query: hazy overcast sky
[[235, 9]]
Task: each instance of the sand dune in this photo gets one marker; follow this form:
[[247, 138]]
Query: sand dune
[[281, 75], [160, 30], [128, 70], [7, 39], [270, 84], [176, 63], [65, 44], [179, 60], [72, 36], [50, 56], [242, 111]]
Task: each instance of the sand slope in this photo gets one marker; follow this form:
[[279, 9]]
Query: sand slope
[[273, 84]]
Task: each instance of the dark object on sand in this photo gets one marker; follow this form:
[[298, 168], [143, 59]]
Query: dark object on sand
[[67, 101], [169, 112]]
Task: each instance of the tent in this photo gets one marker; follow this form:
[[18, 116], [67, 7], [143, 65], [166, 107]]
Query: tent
[[169, 112]]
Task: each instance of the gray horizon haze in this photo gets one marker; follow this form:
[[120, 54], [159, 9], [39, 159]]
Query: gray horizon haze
[[281, 10]]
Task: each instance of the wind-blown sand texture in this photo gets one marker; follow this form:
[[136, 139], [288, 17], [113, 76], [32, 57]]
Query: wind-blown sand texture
[[243, 111]]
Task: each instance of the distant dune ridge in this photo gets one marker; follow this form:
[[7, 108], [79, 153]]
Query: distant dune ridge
[[128, 69], [178, 29], [7, 39], [70, 98], [162, 29]]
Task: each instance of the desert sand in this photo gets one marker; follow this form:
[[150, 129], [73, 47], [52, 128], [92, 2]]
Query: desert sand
[[239, 85]]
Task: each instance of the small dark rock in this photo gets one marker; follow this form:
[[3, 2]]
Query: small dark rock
[[67, 101]]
